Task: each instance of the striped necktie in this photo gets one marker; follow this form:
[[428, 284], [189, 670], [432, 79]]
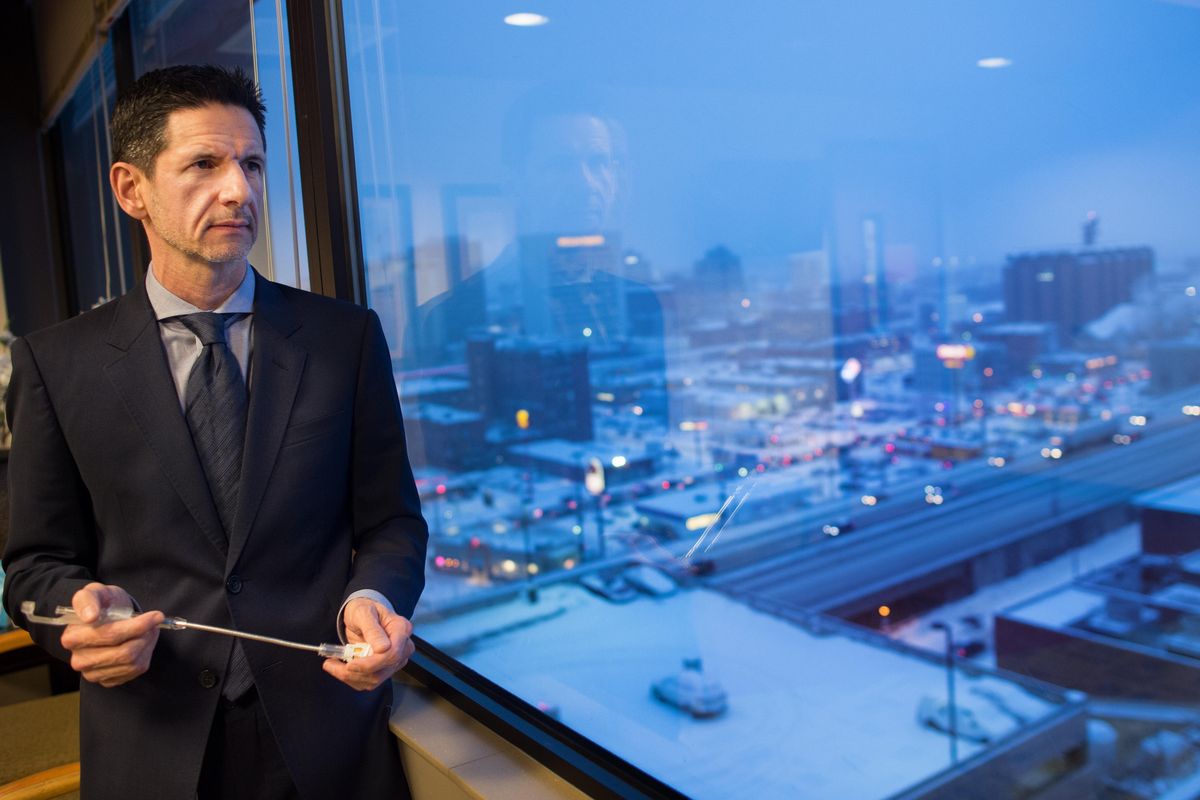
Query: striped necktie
[[215, 408]]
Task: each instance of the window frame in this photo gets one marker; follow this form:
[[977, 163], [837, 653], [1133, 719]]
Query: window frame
[[337, 269]]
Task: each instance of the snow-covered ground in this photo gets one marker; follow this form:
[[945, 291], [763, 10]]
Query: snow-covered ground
[[919, 631], [809, 716]]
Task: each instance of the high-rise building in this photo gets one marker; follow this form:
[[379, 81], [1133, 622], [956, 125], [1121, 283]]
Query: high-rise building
[[874, 275], [1072, 289], [532, 389], [720, 271], [1022, 343], [1174, 365], [884, 230]]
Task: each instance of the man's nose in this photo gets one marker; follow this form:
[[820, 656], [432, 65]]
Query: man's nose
[[597, 175], [235, 187]]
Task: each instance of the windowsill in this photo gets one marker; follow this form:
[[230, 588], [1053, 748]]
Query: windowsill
[[448, 755]]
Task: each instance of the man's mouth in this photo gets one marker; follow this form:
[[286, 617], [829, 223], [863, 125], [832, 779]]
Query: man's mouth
[[231, 223]]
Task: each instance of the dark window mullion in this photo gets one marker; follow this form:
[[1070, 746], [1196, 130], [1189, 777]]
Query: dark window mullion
[[325, 149]]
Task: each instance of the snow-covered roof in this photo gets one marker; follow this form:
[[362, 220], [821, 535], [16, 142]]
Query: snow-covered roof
[[563, 451], [443, 415], [1018, 328], [808, 716], [1058, 609], [1182, 497]]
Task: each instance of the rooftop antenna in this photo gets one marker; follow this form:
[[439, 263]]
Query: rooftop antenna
[[1091, 229]]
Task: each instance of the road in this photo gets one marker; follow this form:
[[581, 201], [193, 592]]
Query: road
[[987, 507]]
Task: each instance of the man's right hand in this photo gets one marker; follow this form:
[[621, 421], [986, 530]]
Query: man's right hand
[[114, 652]]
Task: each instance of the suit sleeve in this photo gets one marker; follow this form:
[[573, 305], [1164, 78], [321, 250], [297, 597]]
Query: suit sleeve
[[51, 551], [390, 535]]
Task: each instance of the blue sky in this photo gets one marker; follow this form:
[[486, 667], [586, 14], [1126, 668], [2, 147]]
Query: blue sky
[[746, 122]]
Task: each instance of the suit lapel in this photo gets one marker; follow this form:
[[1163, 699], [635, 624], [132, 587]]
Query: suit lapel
[[276, 368], [143, 379]]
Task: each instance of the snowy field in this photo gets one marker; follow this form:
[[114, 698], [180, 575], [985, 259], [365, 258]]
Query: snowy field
[[809, 716]]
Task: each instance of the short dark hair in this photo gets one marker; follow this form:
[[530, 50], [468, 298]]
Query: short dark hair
[[547, 101], [139, 119]]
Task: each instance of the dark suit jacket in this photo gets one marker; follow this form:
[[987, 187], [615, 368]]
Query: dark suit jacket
[[105, 485]]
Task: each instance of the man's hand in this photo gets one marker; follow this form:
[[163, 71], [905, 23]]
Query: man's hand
[[387, 633], [114, 652]]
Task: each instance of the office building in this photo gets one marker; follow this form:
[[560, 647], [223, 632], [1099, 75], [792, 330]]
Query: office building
[[1072, 288]]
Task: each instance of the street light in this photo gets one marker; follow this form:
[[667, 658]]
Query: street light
[[526, 525], [698, 426], [849, 374], [593, 481], [945, 628], [955, 356]]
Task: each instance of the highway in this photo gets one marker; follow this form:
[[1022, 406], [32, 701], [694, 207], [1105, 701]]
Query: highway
[[903, 537]]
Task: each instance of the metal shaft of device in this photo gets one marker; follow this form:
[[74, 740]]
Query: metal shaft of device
[[176, 623]]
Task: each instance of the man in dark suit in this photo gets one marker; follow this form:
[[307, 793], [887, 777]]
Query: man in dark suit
[[225, 449]]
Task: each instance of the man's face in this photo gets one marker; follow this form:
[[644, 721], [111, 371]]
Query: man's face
[[569, 183], [202, 203]]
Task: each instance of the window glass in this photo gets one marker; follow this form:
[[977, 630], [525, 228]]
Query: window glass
[[96, 241], [249, 34], [803, 396]]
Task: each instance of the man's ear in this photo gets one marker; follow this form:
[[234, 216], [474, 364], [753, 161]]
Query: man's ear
[[129, 185]]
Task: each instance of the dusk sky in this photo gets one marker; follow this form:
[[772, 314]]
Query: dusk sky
[[751, 127]]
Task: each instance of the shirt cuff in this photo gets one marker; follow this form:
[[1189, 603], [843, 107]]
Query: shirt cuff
[[369, 594]]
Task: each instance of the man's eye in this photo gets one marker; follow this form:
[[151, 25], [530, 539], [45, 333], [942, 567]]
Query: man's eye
[[204, 163], [254, 166]]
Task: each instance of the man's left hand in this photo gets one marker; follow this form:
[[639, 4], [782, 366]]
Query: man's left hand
[[389, 635]]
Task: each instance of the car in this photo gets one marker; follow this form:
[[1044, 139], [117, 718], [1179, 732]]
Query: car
[[971, 637], [691, 691], [837, 527], [614, 590], [646, 549], [650, 580], [934, 713], [970, 648], [999, 460]]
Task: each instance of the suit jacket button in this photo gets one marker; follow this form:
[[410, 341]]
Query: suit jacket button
[[208, 678], [234, 584]]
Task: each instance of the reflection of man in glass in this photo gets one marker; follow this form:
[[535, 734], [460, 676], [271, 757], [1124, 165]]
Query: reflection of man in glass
[[567, 166], [556, 319], [567, 172]]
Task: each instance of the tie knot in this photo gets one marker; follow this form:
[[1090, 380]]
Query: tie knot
[[209, 327]]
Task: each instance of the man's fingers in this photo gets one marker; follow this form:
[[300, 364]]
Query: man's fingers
[[373, 634], [365, 674], [142, 624], [95, 598], [388, 634], [123, 653], [112, 633], [89, 601], [113, 673], [363, 624], [115, 652], [358, 676], [112, 676]]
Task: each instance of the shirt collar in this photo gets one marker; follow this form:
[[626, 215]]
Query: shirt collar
[[166, 304]]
